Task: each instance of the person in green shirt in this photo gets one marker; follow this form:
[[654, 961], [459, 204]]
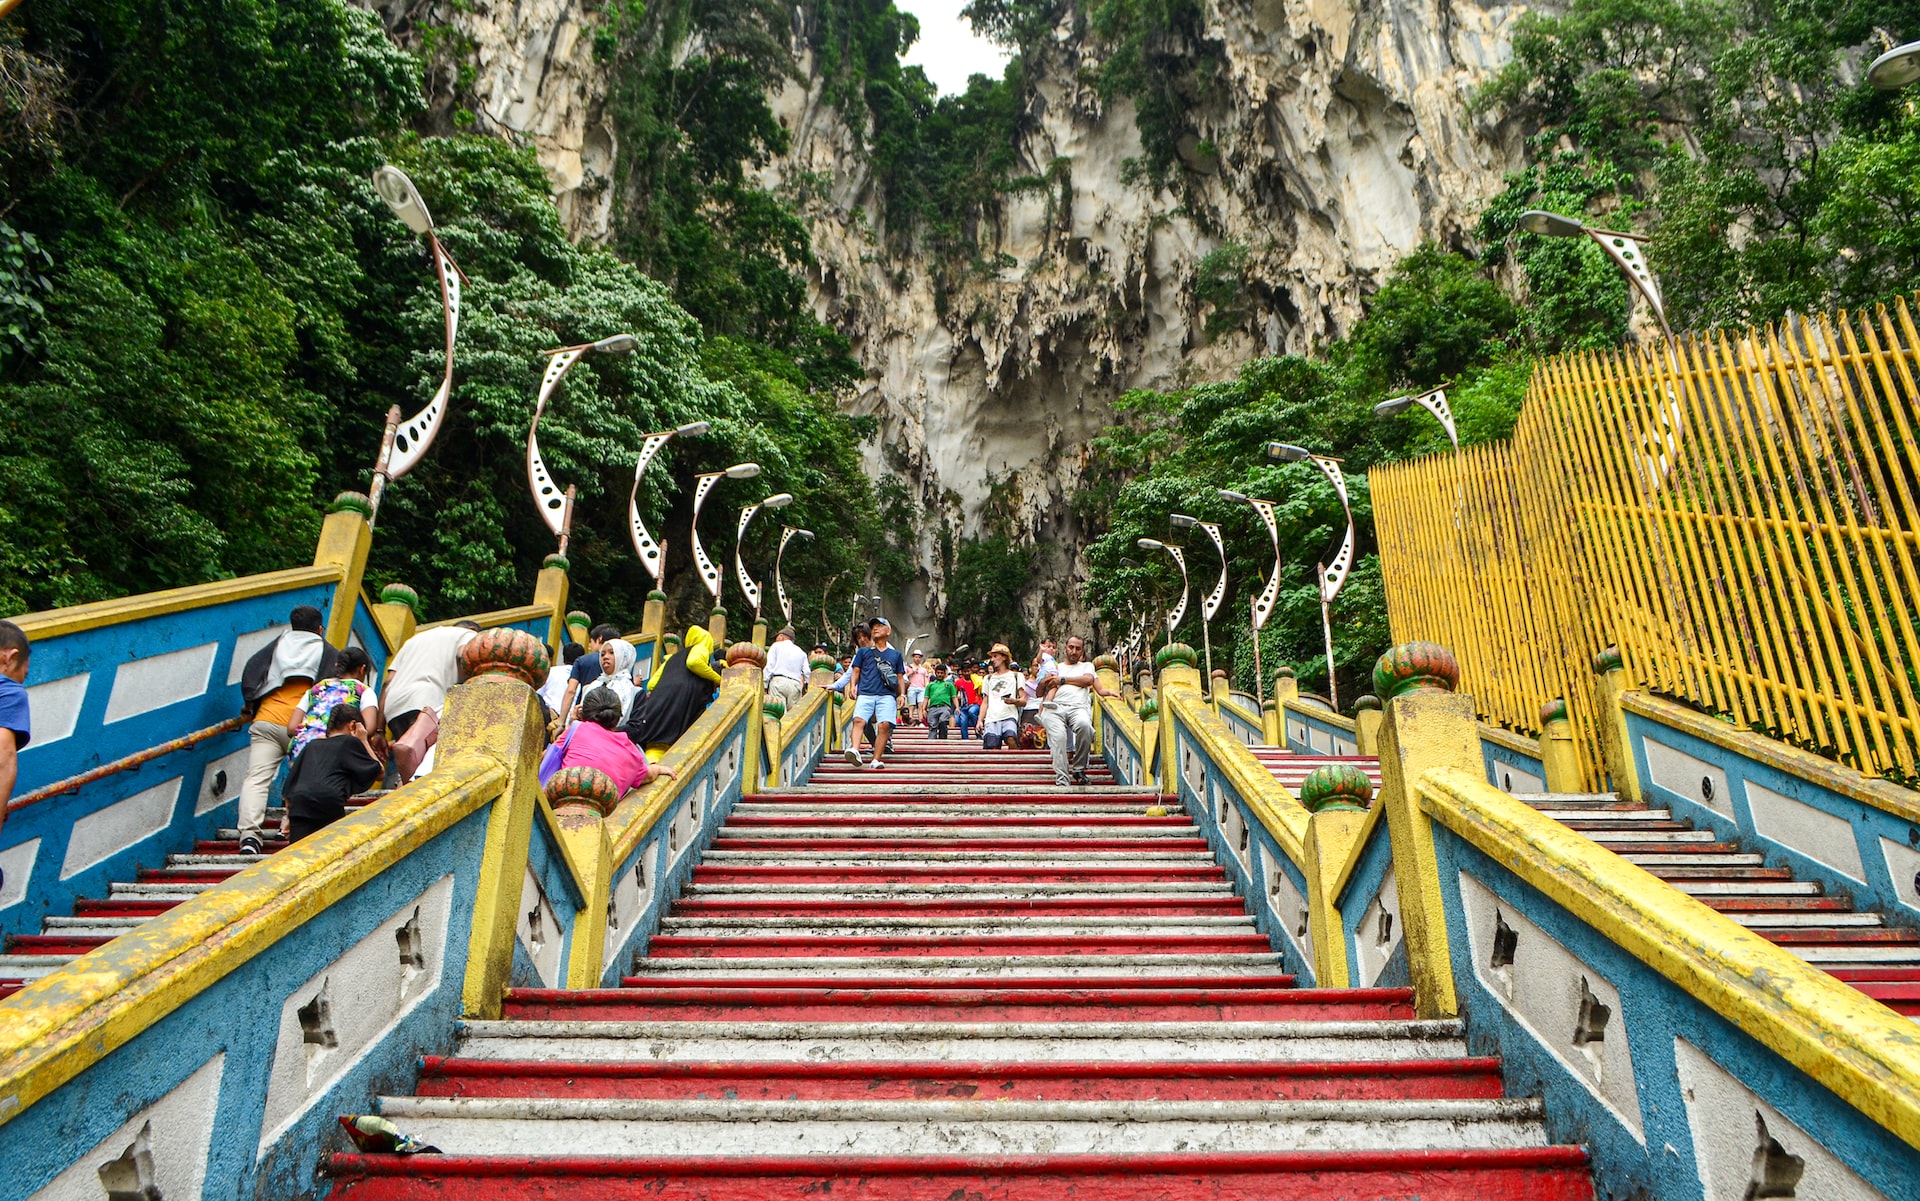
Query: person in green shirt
[[941, 698]]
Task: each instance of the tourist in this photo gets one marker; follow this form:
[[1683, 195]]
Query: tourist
[[917, 676], [1000, 724], [425, 668], [617, 658], [942, 700], [1068, 716], [786, 670], [595, 741], [347, 685], [586, 669], [16, 717], [880, 675], [555, 689], [329, 773], [271, 685], [681, 689], [966, 708]]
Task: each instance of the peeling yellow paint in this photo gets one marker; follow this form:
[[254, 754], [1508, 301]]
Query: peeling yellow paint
[[55, 623], [1867, 1054]]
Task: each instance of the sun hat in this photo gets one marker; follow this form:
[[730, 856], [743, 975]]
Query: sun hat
[[1000, 648]]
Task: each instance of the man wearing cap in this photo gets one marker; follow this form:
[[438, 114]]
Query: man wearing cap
[[917, 677], [880, 678], [786, 669]]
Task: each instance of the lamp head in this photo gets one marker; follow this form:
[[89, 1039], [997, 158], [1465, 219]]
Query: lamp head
[[1126, 562], [1180, 521], [1286, 452], [1551, 225], [778, 500], [1388, 408], [1237, 497], [742, 471], [800, 533], [617, 344], [403, 198], [1896, 68], [1150, 544], [693, 429]]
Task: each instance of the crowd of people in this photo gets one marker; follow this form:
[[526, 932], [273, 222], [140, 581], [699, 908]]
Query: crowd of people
[[1046, 702]]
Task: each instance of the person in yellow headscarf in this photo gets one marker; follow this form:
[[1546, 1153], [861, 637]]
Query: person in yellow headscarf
[[678, 693]]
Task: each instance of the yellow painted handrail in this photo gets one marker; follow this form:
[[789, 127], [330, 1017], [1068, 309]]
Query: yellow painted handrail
[[54, 623], [1266, 798], [497, 618], [60, 1025], [1124, 721], [1318, 714], [1863, 1051], [627, 825]]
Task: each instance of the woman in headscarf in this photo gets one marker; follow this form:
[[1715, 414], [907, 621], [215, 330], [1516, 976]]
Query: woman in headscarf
[[616, 674], [679, 693]]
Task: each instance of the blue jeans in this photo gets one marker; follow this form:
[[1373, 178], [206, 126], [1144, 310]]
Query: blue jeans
[[966, 715]]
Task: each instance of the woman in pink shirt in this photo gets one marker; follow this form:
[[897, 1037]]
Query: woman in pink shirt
[[593, 742]]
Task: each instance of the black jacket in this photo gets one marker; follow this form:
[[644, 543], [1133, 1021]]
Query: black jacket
[[253, 677]]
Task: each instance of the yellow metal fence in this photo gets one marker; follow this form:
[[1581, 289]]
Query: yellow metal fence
[[1737, 514]]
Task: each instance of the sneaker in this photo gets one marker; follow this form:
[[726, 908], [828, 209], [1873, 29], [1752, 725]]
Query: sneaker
[[251, 846], [876, 765], [853, 757]]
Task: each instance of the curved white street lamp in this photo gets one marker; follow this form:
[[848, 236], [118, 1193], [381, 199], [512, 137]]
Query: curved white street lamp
[[787, 534], [1332, 575], [1627, 250], [1179, 610], [1896, 68], [653, 555], [711, 575], [778, 500], [556, 507], [1270, 593], [1434, 402], [405, 442], [1209, 604]]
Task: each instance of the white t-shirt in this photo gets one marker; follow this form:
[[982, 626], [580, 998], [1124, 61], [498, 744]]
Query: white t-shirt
[[1000, 689], [785, 658], [1076, 686], [424, 669]]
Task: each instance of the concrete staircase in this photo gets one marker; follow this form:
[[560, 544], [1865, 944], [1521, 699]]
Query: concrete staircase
[[128, 905], [953, 980], [1857, 946]]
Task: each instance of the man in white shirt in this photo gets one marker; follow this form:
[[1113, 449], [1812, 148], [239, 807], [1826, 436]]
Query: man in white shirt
[[1068, 713], [418, 678], [786, 669]]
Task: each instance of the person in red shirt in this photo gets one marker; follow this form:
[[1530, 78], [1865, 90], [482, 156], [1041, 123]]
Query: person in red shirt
[[967, 712]]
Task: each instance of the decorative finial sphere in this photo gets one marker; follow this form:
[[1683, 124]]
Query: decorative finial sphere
[[352, 502], [1176, 653], [577, 618], [1415, 667], [583, 787], [657, 595], [1106, 663], [1336, 786], [557, 561], [746, 652], [822, 663], [1219, 673], [1554, 710], [1366, 704], [1149, 709], [1608, 660], [400, 594], [505, 652], [1285, 673], [776, 709]]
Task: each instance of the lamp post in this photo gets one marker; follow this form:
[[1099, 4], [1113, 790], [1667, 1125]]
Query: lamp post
[[1157, 603], [405, 442], [1625, 249], [1896, 68], [1332, 575], [1434, 402], [556, 508], [653, 555], [1262, 604], [1179, 610], [703, 484], [778, 500], [787, 534], [1209, 604]]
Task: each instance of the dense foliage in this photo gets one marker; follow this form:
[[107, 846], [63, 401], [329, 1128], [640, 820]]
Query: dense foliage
[[205, 312]]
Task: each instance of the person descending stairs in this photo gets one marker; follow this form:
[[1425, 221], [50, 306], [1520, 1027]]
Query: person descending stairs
[[961, 982]]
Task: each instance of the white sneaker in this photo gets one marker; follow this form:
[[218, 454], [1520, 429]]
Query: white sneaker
[[853, 757]]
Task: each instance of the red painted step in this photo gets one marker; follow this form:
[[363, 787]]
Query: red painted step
[[704, 982], [1023, 822], [1537, 1174], [1154, 906], [1413, 1079], [961, 873], [956, 1005], [113, 907], [185, 875], [724, 843], [54, 944], [674, 946]]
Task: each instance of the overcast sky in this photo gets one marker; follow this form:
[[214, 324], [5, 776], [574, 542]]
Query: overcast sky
[[948, 50]]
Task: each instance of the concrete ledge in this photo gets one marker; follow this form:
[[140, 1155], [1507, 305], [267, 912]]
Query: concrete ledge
[[1265, 797], [1519, 744], [66, 1022], [1865, 1053], [55, 623], [629, 824], [497, 618], [1888, 797]]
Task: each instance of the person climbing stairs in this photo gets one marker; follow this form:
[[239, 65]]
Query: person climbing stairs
[[961, 981]]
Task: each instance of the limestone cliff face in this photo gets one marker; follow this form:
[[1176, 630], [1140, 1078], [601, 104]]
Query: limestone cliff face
[[1339, 139]]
